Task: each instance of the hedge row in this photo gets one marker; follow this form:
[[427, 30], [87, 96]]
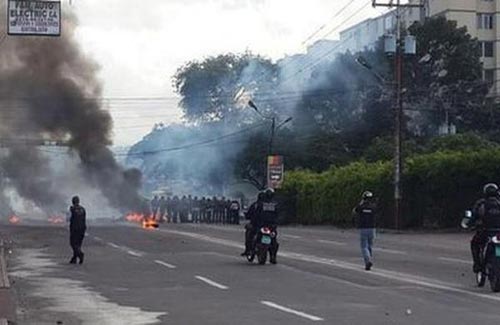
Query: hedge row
[[437, 188]]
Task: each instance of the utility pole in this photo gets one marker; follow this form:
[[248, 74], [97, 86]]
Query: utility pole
[[271, 139], [398, 106]]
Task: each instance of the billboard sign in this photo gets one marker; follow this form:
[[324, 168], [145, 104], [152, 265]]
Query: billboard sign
[[275, 171], [34, 17]]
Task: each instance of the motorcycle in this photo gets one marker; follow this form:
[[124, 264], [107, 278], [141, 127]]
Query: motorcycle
[[265, 241], [490, 258]]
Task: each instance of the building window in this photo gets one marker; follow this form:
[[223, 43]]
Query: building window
[[485, 21], [487, 49], [489, 76]]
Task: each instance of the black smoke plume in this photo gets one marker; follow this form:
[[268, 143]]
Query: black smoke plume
[[49, 90]]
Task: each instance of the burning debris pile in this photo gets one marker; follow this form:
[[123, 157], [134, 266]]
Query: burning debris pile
[[147, 222], [49, 90]]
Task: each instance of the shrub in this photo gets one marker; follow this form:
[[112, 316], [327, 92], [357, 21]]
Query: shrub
[[437, 187]]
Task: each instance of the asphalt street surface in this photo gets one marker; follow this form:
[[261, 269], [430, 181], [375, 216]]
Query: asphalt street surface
[[193, 274]]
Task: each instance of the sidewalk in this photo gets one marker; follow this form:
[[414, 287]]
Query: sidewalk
[[7, 307]]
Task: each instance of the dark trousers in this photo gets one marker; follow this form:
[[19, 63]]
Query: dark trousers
[[234, 216], [250, 232], [477, 244], [76, 241]]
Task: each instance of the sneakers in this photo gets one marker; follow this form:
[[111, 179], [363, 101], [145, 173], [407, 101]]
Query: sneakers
[[245, 253], [73, 260], [81, 258], [368, 266]]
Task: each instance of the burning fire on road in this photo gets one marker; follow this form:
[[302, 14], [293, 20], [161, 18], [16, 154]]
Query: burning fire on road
[[134, 217], [149, 223], [146, 223], [56, 220], [14, 220]]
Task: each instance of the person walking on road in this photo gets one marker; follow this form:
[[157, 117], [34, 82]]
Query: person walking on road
[[77, 228], [364, 217]]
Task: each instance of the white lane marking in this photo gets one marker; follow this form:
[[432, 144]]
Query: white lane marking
[[126, 250], [291, 236], [97, 238], [454, 260], [212, 283], [332, 242], [133, 253], [292, 311], [389, 251], [170, 266], [391, 275], [114, 245]]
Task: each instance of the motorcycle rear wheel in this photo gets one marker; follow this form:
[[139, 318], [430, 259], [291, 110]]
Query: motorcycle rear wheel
[[262, 255], [494, 275]]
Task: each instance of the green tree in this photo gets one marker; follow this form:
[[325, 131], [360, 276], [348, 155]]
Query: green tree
[[209, 89], [444, 80]]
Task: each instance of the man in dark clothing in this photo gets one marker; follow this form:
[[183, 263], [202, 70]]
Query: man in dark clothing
[[234, 212], [175, 209], [486, 215], [251, 227], [196, 210], [364, 217], [267, 216], [267, 210], [163, 209], [155, 205], [77, 228], [183, 209]]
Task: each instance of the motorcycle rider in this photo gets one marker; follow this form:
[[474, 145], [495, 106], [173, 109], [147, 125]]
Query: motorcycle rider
[[267, 216], [252, 227], [486, 215]]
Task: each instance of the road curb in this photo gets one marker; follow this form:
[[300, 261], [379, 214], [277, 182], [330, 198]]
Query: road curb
[[4, 279]]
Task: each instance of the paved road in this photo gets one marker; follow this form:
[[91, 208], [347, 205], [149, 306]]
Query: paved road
[[192, 274]]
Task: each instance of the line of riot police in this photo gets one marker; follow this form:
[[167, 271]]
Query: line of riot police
[[195, 210]]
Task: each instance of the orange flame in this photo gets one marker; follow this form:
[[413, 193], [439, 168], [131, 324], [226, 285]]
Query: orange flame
[[56, 220], [145, 222], [134, 217], [149, 224], [14, 220]]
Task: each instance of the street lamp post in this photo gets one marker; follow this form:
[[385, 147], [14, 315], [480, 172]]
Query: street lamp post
[[274, 128]]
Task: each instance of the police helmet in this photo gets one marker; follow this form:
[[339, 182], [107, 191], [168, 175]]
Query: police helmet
[[75, 200], [367, 195], [269, 193], [490, 189]]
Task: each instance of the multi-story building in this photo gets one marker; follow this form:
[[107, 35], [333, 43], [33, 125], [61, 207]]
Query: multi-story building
[[366, 33], [481, 17]]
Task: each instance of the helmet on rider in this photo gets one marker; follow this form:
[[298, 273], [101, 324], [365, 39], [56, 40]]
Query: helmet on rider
[[367, 195], [269, 193], [490, 189]]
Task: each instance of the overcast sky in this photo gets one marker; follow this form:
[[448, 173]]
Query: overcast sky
[[140, 44]]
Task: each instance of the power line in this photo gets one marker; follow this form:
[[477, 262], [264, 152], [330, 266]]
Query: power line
[[346, 20], [176, 148], [325, 24]]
